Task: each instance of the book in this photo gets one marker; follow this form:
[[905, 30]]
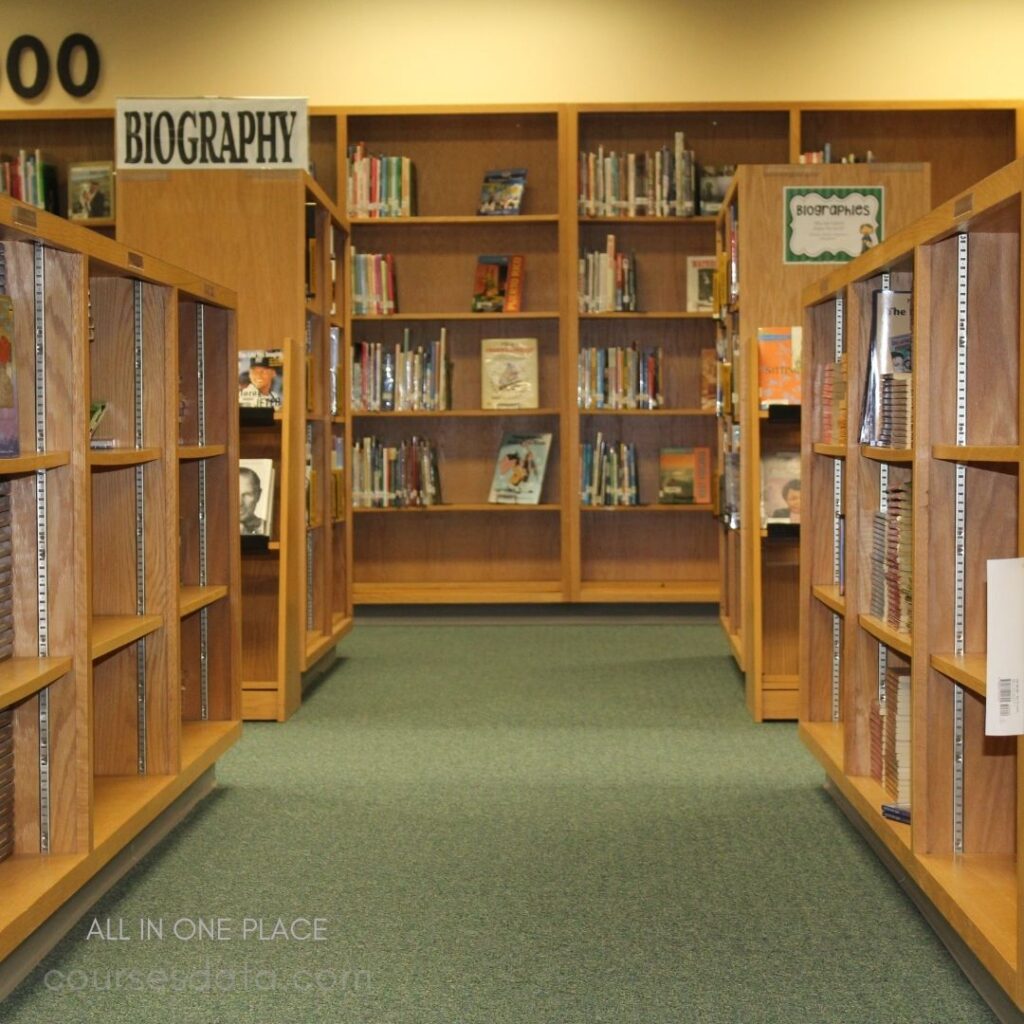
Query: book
[[508, 373], [684, 476], [396, 475], [498, 284], [606, 280], [700, 283], [715, 180], [608, 473], [97, 410], [778, 365], [889, 352], [260, 378], [256, 497], [10, 444], [519, 470], [780, 487], [708, 380], [620, 378], [91, 191], [502, 192]]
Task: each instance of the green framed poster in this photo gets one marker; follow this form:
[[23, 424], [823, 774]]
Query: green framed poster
[[831, 224]]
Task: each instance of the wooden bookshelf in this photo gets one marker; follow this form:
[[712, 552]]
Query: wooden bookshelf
[[961, 846], [107, 688], [759, 608], [286, 260]]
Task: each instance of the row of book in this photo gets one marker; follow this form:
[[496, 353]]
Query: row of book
[[889, 732], [620, 378], [826, 156], [606, 280], [891, 559], [609, 474], [395, 476], [29, 178], [377, 185], [373, 284], [831, 387], [399, 378]]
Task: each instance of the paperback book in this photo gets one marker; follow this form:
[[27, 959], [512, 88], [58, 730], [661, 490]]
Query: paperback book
[[700, 283], [684, 476], [519, 471], [260, 378], [498, 284], [780, 487], [502, 193], [508, 373], [256, 497], [778, 362], [889, 353]]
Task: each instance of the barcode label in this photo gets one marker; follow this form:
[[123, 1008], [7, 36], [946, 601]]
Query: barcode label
[[1009, 698], [1004, 669]]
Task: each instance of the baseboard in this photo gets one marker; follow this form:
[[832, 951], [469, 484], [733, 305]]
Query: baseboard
[[16, 967], [978, 975]]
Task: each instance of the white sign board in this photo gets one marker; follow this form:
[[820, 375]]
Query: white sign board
[[1004, 709], [828, 224], [212, 134]]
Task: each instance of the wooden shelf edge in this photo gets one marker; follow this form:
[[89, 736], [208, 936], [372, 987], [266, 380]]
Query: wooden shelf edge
[[969, 670], [642, 591], [896, 455], [30, 463], [114, 458], [359, 414], [189, 452], [835, 451], [457, 593], [341, 625], [901, 642], [191, 599], [317, 645], [998, 453], [736, 647], [111, 632], [22, 677], [828, 595], [483, 507]]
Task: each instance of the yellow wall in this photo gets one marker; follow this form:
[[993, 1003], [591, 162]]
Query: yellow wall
[[455, 51]]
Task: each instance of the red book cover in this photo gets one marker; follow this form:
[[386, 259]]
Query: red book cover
[[514, 286]]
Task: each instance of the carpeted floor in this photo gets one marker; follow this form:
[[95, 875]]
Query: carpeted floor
[[518, 823]]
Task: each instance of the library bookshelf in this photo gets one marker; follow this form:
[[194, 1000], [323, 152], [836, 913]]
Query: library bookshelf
[[960, 481], [286, 258], [759, 565], [124, 684]]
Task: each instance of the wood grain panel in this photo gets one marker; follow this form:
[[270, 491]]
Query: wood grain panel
[[260, 597], [115, 721], [990, 784]]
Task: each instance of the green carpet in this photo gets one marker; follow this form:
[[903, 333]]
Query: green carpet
[[514, 823]]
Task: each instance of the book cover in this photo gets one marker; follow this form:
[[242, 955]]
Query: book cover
[[508, 373], [91, 191], [502, 192], [514, 287], [10, 445], [684, 476], [700, 283], [715, 180], [780, 487], [260, 378], [256, 497], [778, 373], [889, 351], [519, 471], [708, 380], [490, 284]]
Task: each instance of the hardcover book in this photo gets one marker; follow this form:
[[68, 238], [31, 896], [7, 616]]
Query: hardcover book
[[502, 193], [260, 378], [519, 472], [91, 191], [708, 380], [684, 476], [508, 373], [9, 440], [778, 375], [256, 497], [700, 283], [780, 487], [498, 284]]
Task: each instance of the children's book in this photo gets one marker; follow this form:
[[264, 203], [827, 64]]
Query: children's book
[[508, 373], [502, 193], [519, 472], [778, 375], [684, 476], [498, 284]]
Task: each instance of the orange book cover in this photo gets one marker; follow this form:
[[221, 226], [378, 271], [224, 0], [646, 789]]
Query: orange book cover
[[514, 287], [778, 377], [684, 476]]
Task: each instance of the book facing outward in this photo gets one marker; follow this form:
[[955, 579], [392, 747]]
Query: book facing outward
[[508, 373], [498, 284], [700, 283], [260, 378], [778, 375], [519, 471], [256, 497], [684, 476], [502, 192]]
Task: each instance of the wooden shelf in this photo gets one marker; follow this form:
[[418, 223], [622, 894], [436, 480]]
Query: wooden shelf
[[736, 647], [191, 599], [969, 670], [474, 221], [467, 507], [977, 453], [111, 632], [317, 645], [894, 455], [114, 458], [647, 508], [512, 592], [22, 677], [690, 221], [834, 451], [665, 314], [549, 314], [188, 452], [901, 642], [341, 625], [455, 413], [30, 463], [829, 596], [650, 591], [648, 412]]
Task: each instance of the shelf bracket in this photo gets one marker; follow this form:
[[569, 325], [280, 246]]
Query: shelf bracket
[[140, 531], [42, 561]]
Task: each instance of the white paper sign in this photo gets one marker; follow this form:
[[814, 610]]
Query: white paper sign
[[831, 224], [1004, 709], [212, 134]]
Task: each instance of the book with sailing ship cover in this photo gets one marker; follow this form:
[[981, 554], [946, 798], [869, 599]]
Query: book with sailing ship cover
[[519, 471], [508, 373]]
